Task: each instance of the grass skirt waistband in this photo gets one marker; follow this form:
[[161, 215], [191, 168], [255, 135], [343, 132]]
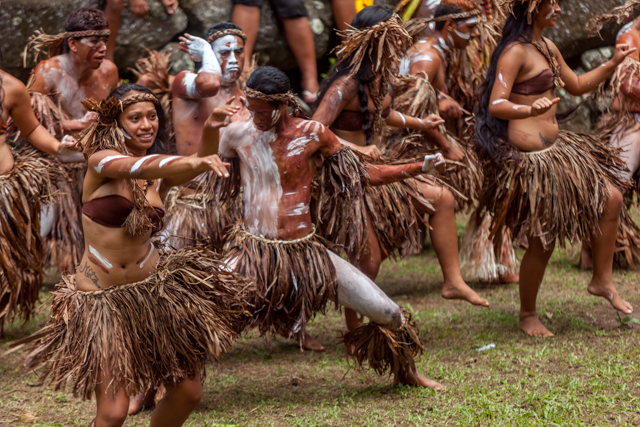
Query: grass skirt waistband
[[157, 331]]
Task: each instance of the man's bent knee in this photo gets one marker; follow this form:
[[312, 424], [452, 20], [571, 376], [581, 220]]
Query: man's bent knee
[[615, 201], [446, 201]]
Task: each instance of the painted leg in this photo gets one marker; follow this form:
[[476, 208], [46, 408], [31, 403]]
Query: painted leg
[[444, 237], [603, 245], [532, 269], [178, 402], [247, 18], [359, 293]]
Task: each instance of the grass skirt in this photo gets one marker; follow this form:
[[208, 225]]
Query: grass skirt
[[558, 193], [157, 331], [21, 249], [294, 278]]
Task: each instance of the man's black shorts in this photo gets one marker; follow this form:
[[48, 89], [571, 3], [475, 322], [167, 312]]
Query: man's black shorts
[[283, 9]]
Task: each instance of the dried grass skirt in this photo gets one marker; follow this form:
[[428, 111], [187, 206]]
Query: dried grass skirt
[[157, 331]]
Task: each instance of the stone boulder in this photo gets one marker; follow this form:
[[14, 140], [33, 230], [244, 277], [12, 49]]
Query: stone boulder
[[570, 35], [22, 17]]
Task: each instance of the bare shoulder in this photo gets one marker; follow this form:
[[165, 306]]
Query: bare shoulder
[[346, 87], [14, 90], [108, 67], [310, 128], [513, 51]]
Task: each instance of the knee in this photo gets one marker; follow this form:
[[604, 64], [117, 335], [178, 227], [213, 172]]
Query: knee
[[614, 204], [393, 317], [114, 416], [446, 202], [190, 393]]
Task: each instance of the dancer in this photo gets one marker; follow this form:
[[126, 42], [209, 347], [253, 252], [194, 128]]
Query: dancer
[[139, 9], [75, 70], [295, 21], [353, 104], [276, 245], [547, 184], [619, 125], [131, 317], [27, 179], [192, 217], [454, 31]]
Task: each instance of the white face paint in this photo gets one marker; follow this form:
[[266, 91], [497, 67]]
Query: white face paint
[[105, 161], [550, 14], [100, 258], [498, 101], [223, 45], [275, 116], [139, 163], [463, 36], [124, 132], [469, 21]]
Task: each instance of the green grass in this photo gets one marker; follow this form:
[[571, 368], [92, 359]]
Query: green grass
[[587, 375]]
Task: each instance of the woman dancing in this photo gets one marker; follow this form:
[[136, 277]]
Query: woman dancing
[[26, 178], [132, 318], [355, 104], [547, 184]]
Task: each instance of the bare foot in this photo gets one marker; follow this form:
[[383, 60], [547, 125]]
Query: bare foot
[[609, 293], [420, 380], [464, 292], [142, 401], [310, 343], [427, 383], [531, 325], [586, 262], [509, 278]]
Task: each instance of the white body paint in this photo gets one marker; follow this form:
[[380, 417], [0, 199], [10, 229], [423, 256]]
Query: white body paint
[[147, 257], [139, 163], [625, 29], [224, 44], [100, 258], [404, 122], [297, 146], [499, 101], [260, 176], [357, 292], [501, 79], [189, 82], [47, 219], [65, 80], [431, 162], [630, 144], [105, 161], [164, 161]]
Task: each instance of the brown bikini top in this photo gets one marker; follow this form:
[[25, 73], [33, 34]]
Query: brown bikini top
[[113, 210], [536, 85], [352, 120]]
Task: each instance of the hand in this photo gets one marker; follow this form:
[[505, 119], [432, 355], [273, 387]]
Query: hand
[[214, 163], [194, 46], [433, 163], [68, 146], [453, 153], [542, 105], [221, 116], [139, 8], [449, 109], [622, 51], [371, 151], [170, 6], [432, 121]]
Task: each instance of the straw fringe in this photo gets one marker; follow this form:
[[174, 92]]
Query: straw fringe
[[555, 194], [155, 67], [383, 349], [24, 188], [295, 279], [621, 14], [157, 331]]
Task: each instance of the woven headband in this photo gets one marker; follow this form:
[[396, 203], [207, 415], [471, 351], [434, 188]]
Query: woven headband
[[53, 44], [454, 16], [110, 108], [230, 31], [287, 98], [508, 6]]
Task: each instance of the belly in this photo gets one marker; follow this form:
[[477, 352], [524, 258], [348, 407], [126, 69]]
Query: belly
[[534, 133]]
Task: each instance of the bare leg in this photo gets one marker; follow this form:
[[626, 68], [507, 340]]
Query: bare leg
[[357, 292], [532, 270], [247, 18], [174, 409], [602, 248], [113, 12], [300, 40], [343, 13], [112, 410], [444, 237], [142, 401]]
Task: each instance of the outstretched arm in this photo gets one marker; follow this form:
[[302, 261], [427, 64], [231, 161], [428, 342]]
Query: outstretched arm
[[18, 104], [579, 85], [206, 82]]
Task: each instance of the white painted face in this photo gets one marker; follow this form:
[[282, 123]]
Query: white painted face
[[227, 49]]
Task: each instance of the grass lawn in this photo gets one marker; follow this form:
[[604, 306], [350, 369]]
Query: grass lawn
[[587, 375]]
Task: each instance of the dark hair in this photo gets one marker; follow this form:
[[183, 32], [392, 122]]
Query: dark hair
[[220, 27], [1, 89], [270, 81], [444, 10], [491, 132], [84, 19], [367, 17], [159, 145]]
